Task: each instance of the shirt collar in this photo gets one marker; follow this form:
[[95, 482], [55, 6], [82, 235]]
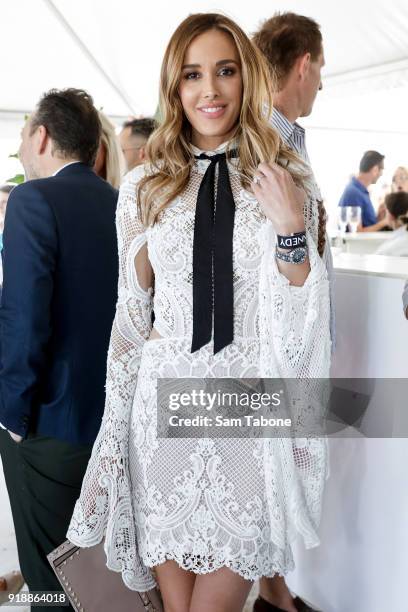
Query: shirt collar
[[359, 185], [284, 126], [65, 166], [221, 149]]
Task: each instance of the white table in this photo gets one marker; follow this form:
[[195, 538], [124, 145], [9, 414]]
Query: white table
[[362, 563], [365, 242], [373, 265]]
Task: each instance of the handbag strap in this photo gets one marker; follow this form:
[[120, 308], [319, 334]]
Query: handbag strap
[[147, 602]]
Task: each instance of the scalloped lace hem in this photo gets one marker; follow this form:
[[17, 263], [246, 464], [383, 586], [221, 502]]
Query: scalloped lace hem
[[142, 581], [202, 565]]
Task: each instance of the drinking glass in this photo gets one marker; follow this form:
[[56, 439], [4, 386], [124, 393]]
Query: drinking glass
[[353, 217], [342, 219]]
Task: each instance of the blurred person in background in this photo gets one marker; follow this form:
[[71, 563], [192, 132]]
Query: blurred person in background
[[400, 183], [397, 218], [400, 179], [5, 191], [59, 292], [10, 583], [356, 193], [13, 581], [110, 162], [382, 209], [133, 139]]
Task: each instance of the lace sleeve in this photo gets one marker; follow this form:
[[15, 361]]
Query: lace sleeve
[[294, 321], [295, 344], [104, 508]]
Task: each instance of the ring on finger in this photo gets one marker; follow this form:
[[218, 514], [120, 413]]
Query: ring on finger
[[257, 180]]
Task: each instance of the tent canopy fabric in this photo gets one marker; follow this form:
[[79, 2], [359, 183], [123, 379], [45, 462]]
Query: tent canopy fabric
[[114, 49]]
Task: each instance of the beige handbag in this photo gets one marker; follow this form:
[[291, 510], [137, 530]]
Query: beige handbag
[[92, 587]]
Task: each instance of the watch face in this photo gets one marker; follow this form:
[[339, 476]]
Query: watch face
[[298, 255]]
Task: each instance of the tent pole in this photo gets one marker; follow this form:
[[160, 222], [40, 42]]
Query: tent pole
[[60, 17]]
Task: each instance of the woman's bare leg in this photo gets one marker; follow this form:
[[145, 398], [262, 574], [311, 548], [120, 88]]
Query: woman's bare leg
[[275, 591], [220, 591], [176, 586]]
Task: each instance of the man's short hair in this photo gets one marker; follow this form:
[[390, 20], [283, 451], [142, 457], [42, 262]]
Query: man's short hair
[[6, 188], [284, 38], [141, 127], [397, 204], [72, 122], [370, 159]]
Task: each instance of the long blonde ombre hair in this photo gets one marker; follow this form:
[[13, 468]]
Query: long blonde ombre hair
[[169, 150], [114, 160]]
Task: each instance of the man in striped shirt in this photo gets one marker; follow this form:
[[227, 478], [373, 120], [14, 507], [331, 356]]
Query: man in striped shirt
[[293, 46]]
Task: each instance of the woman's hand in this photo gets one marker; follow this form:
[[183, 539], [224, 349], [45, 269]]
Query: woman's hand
[[280, 199]]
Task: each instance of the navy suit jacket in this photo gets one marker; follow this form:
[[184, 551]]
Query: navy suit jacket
[[60, 267]]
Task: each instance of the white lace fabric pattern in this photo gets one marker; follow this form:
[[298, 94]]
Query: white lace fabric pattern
[[206, 503]]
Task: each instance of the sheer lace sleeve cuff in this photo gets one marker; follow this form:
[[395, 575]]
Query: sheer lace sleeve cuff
[[294, 321]]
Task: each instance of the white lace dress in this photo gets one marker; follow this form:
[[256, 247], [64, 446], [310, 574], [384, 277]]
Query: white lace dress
[[212, 502]]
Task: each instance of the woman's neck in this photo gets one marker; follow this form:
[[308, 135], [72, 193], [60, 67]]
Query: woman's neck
[[210, 143]]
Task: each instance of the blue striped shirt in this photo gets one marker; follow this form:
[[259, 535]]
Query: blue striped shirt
[[291, 133]]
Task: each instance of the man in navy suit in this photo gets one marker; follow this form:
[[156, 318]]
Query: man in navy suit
[[59, 293]]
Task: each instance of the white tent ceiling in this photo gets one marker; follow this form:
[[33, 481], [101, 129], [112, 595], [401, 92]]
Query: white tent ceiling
[[114, 48]]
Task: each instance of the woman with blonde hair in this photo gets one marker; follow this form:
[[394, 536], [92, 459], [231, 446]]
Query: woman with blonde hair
[[109, 163], [215, 224], [400, 179]]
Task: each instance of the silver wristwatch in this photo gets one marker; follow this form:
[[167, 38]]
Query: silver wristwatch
[[296, 256]]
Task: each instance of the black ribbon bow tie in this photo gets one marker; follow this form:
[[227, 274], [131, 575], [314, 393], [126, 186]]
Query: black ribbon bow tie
[[212, 257]]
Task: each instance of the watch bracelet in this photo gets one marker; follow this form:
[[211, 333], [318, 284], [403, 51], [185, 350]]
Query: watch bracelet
[[295, 236], [286, 256]]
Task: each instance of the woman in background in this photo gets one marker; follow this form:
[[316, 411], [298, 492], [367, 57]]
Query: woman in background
[[397, 215], [109, 163], [399, 183], [400, 180]]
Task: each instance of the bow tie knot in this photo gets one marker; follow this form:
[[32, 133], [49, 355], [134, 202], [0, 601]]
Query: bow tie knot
[[214, 159]]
